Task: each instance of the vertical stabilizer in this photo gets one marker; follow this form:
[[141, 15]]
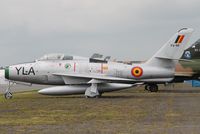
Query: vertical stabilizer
[[172, 51]]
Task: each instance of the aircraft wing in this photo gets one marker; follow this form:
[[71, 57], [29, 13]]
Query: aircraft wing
[[90, 78], [70, 79]]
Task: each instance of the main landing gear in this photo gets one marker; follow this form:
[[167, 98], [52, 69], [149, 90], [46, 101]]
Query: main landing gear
[[92, 91], [8, 94], [151, 87]]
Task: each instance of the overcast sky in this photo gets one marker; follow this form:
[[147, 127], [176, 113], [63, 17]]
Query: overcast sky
[[126, 30]]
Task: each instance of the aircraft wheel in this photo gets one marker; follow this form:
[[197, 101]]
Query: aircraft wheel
[[8, 95], [153, 88], [87, 97], [98, 96], [147, 87]]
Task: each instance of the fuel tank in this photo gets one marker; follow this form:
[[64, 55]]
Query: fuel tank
[[80, 89]]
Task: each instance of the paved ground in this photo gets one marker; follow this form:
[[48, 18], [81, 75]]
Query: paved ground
[[171, 110]]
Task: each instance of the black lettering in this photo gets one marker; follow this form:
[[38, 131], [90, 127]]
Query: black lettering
[[31, 71], [18, 70], [24, 72]]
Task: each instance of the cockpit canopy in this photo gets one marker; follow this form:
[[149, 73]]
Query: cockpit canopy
[[61, 57], [96, 58]]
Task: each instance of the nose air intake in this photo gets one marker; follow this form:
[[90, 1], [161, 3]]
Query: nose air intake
[[6, 72]]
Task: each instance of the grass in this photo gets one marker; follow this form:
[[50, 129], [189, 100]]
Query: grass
[[129, 111], [30, 109]]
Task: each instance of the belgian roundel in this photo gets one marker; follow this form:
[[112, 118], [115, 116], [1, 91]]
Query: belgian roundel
[[137, 72]]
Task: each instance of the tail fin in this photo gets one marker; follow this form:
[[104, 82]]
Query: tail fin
[[172, 51]]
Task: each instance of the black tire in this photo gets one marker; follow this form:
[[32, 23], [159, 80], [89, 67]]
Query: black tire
[[146, 87], [8, 95], [153, 88]]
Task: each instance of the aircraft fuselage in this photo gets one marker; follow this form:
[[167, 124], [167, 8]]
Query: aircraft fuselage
[[43, 72]]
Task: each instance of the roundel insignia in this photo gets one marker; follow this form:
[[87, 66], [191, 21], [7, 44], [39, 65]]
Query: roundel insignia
[[137, 72], [67, 66], [187, 55]]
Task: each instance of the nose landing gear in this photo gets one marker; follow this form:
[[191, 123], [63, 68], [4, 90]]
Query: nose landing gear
[[8, 94], [151, 87]]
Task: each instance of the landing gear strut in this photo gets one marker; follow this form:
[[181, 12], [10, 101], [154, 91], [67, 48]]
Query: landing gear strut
[[8, 94], [92, 91], [152, 87]]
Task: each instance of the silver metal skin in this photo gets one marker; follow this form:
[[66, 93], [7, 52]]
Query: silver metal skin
[[94, 77], [80, 89]]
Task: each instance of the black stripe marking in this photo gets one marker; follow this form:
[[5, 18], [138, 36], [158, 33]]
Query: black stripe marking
[[177, 39]]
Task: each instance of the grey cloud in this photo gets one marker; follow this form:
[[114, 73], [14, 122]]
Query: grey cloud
[[123, 29]]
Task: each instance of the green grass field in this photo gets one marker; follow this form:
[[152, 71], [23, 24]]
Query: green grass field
[[123, 112]]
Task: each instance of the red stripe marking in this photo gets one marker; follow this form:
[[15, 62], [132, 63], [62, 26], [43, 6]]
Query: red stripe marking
[[101, 68], [74, 67], [181, 39]]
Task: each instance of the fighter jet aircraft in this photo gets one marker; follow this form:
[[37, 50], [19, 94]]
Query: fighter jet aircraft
[[189, 67], [77, 75]]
